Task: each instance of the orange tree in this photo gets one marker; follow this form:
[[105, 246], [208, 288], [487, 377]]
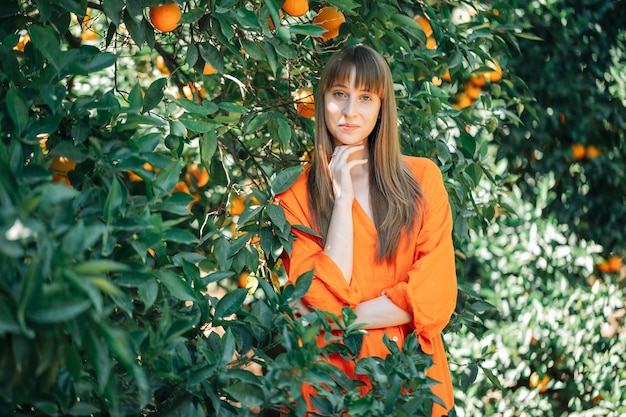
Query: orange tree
[[575, 128], [139, 162]]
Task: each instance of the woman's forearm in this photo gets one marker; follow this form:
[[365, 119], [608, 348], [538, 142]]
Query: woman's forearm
[[339, 245], [381, 312]]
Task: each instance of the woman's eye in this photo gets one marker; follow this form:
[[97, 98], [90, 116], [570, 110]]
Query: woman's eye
[[339, 94], [366, 98]]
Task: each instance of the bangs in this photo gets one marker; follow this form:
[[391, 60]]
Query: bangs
[[369, 71]]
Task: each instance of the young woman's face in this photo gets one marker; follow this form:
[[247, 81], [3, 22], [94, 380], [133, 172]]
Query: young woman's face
[[351, 112]]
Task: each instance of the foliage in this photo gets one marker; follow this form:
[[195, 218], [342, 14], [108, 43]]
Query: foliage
[[119, 288], [548, 326], [576, 74]]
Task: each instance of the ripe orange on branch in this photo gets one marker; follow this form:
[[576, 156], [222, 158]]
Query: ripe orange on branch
[[165, 17], [296, 8], [305, 102], [330, 19]]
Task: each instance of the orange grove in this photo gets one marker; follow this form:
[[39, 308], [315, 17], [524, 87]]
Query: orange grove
[[305, 102], [330, 19], [165, 17], [296, 8]]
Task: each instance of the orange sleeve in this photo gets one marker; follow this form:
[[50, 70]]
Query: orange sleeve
[[329, 291], [430, 292]]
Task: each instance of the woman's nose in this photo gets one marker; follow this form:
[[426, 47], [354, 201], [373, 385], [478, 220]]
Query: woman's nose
[[349, 108]]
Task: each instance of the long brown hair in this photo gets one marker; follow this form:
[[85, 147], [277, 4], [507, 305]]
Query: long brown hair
[[395, 193]]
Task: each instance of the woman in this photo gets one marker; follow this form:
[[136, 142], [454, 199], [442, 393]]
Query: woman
[[384, 219]]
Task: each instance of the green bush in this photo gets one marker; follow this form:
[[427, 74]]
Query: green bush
[[120, 291], [576, 74], [553, 320]]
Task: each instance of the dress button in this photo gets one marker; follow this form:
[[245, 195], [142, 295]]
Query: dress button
[[395, 338]]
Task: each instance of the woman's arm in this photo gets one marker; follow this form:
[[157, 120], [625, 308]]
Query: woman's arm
[[381, 312], [372, 314]]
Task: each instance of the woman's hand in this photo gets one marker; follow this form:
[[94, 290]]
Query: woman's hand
[[341, 165]]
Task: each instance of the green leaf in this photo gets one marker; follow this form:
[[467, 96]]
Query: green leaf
[[208, 146], [277, 215], [199, 125], [154, 95], [91, 60], [179, 236], [58, 310], [113, 204], [246, 393], [193, 107], [211, 55], [167, 178], [230, 303], [135, 98], [307, 30], [493, 378], [46, 40], [18, 109], [285, 178], [113, 10], [176, 285]]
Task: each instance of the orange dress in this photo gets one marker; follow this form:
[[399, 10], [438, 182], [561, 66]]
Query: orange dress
[[421, 279]]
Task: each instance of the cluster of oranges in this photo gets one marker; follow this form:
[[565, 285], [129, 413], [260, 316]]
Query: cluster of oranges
[[580, 151], [541, 383], [329, 18], [612, 264], [475, 84]]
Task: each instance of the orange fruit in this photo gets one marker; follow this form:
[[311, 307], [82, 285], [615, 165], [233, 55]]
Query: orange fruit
[[496, 74], [614, 263], [462, 101], [61, 165], [242, 280], [541, 383], [237, 205], [160, 64], [436, 81], [472, 90], [208, 69], [424, 24], [592, 152], [330, 19], [188, 90], [196, 175], [578, 151], [446, 76], [181, 187], [478, 79], [165, 17], [431, 43], [305, 102], [296, 8], [24, 39], [89, 34]]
